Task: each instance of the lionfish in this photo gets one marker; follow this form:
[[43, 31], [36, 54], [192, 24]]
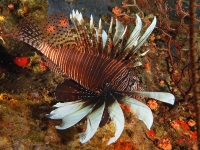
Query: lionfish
[[96, 67]]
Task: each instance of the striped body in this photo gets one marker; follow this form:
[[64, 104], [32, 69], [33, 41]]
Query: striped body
[[91, 71], [83, 59]]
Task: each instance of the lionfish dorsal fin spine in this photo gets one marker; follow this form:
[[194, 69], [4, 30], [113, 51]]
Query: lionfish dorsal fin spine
[[83, 38], [99, 37], [132, 40], [119, 29], [145, 35], [76, 19], [119, 32], [57, 34], [104, 38], [135, 41], [108, 43], [134, 35], [93, 38], [117, 49]]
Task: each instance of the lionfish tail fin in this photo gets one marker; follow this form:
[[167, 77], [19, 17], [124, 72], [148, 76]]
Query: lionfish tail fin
[[54, 33], [28, 32]]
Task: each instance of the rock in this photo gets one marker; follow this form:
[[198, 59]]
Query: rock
[[5, 143]]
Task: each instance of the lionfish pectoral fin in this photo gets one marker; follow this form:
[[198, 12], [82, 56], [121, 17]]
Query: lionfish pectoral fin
[[70, 90], [93, 121], [117, 118], [161, 96], [64, 109], [71, 112], [105, 118], [73, 118], [141, 111]]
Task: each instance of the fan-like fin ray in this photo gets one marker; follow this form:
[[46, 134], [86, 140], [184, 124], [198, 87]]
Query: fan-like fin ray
[[137, 63], [119, 33], [84, 43], [144, 53], [161, 96], [117, 118], [109, 43], [132, 41], [104, 38], [93, 35], [69, 90], [117, 49], [28, 32], [142, 111], [93, 120], [145, 35], [99, 37], [64, 109], [75, 117]]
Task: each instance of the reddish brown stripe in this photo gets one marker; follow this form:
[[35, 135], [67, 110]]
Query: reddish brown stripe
[[83, 63], [91, 71]]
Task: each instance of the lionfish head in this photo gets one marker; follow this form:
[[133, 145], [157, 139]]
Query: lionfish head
[[96, 66]]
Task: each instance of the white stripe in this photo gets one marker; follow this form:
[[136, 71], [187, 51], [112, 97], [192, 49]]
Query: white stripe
[[117, 117], [141, 111]]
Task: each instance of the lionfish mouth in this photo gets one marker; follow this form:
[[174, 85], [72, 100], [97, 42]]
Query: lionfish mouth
[[96, 65]]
